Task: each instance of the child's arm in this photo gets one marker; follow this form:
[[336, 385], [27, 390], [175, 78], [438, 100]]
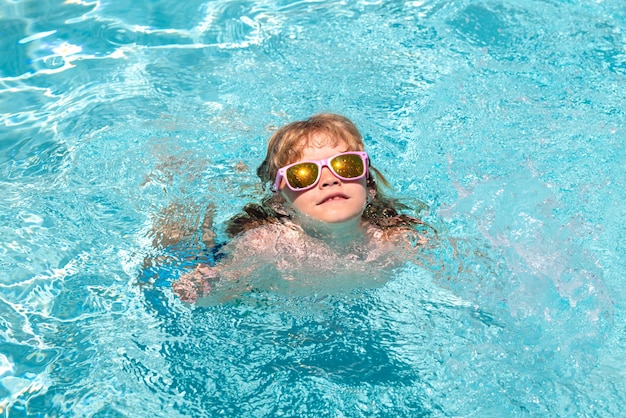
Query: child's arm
[[196, 284], [244, 254]]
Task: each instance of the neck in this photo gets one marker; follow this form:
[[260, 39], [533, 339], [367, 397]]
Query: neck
[[339, 235]]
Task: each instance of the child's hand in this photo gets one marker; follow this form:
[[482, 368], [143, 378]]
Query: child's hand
[[191, 286]]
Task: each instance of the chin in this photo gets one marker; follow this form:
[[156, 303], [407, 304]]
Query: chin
[[337, 219]]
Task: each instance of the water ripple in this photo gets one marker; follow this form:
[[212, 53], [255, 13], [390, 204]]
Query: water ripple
[[499, 113]]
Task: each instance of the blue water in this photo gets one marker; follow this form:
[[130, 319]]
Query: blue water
[[506, 118]]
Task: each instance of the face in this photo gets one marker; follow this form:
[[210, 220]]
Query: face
[[331, 200]]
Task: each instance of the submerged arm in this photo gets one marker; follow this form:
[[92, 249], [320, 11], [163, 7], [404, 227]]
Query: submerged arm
[[244, 254]]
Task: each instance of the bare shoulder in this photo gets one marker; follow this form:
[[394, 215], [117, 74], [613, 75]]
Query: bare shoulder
[[399, 237], [265, 238]]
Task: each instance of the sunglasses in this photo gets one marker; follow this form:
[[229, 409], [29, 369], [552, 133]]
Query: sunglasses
[[303, 175]]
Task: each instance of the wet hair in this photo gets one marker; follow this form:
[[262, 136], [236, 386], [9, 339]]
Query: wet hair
[[287, 143], [286, 146]]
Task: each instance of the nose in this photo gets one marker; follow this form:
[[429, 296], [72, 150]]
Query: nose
[[328, 179]]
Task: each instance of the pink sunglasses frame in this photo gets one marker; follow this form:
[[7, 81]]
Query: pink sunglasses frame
[[321, 164]]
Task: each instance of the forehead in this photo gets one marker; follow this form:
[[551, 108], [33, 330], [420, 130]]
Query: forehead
[[320, 146], [318, 139]]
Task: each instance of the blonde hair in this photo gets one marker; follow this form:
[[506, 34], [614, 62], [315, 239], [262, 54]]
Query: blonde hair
[[287, 143]]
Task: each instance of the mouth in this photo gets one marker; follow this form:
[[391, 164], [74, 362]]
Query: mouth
[[337, 197]]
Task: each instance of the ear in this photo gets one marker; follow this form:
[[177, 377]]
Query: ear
[[371, 194]]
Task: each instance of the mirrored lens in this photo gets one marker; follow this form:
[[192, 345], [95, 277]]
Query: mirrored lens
[[348, 166], [302, 175]]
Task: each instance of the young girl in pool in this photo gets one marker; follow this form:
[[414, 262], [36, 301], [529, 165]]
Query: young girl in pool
[[325, 214]]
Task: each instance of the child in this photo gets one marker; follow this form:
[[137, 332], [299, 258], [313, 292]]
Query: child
[[325, 214]]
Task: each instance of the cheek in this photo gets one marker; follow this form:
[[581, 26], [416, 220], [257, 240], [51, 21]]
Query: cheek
[[294, 198], [362, 191], [288, 194]]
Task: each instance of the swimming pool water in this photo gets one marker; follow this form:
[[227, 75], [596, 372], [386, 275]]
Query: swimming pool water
[[506, 118]]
